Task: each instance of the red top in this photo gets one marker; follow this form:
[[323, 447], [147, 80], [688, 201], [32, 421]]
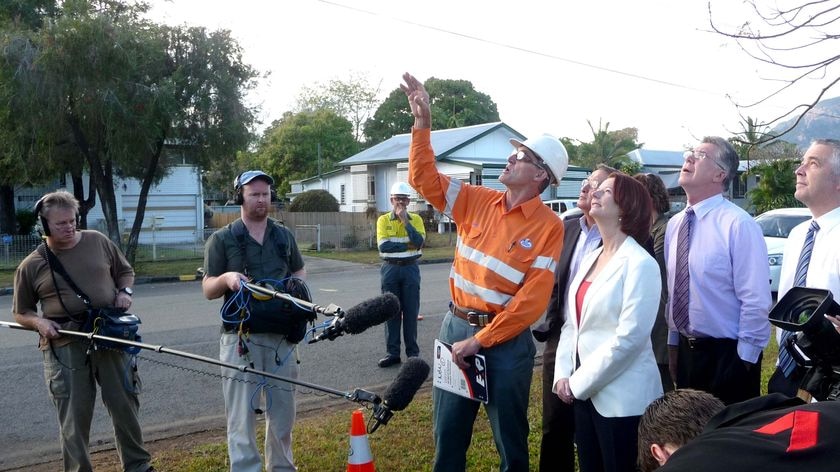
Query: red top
[[584, 286]]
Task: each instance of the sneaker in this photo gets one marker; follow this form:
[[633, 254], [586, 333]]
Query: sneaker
[[419, 317], [388, 361]]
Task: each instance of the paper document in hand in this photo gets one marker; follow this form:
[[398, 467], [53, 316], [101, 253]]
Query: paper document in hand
[[469, 383]]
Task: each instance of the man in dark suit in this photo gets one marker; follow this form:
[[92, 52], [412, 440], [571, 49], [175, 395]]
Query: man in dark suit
[[557, 450]]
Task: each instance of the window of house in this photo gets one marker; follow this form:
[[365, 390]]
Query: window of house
[[371, 187], [341, 195]]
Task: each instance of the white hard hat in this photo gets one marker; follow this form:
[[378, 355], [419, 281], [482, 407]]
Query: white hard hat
[[551, 151], [400, 188]]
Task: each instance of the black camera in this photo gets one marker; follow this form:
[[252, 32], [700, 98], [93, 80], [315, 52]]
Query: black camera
[[815, 343]]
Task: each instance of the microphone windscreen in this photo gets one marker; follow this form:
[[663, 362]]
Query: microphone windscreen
[[409, 379], [371, 313]]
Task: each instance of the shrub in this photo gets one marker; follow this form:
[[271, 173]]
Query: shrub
[[314, 200]]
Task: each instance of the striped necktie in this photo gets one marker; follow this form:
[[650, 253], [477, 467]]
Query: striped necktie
[[679, 309], [786, 361]]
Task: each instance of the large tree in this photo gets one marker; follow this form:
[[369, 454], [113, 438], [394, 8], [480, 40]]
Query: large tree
[[796, 39], [121, 89], [354, 98], [455, 103], [17, 17], [304, 144]]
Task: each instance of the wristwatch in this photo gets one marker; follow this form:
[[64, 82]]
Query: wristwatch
[[127, 290]]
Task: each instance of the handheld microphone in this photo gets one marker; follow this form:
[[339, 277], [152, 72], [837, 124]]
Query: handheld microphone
[[361, 317], [401, 391]]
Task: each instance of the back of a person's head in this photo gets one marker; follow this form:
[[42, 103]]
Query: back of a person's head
[[674, 418]]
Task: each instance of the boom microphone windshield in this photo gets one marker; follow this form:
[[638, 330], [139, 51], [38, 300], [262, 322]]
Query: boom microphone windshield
[[401, 391], [357, 319]]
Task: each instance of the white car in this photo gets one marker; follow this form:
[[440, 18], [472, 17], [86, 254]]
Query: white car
[[776, 225]]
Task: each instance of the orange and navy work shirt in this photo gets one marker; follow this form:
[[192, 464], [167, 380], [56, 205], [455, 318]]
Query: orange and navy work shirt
[[505, 260]]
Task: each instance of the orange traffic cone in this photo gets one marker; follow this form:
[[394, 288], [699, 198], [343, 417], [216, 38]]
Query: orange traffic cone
[[359, 458]]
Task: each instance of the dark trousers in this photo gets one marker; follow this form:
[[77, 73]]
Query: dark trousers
[[404, 282], [557, 448], [713, 365], [605, 444]]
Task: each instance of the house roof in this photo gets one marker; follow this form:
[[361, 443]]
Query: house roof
[[445, 142], [654, 158]]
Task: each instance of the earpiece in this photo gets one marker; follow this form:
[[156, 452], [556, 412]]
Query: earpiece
[[43, 227], [237, 187]]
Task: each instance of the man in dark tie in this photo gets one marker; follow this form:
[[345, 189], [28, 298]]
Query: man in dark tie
[[717, 280], [581, 236], [812, 255]]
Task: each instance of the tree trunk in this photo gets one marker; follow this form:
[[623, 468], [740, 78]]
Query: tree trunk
[[102, 176], [85, 204], [140, 215], [8, 219]]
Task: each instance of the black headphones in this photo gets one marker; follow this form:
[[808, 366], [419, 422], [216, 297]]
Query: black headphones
[[237, 187], [45, 225]]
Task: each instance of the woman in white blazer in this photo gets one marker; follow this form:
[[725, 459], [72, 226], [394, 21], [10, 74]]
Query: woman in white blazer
[[605, 365]]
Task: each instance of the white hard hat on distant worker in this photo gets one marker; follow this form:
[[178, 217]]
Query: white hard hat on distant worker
[[400, 188], [551, 151]]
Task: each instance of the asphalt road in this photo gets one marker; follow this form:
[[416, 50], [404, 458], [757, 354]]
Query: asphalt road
[[180, 395]]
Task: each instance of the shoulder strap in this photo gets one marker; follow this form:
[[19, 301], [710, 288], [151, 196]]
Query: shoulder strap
[[57, 267], [277, 233]]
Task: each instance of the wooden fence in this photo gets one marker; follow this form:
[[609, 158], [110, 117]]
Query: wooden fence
[[333, 230]]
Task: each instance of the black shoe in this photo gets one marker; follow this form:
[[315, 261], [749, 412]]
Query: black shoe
[[388, 361]]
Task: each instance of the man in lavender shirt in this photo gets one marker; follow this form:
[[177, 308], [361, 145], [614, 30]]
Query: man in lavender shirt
[[717, 347]]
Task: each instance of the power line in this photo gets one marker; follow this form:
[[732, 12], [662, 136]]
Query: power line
[[523, 49]]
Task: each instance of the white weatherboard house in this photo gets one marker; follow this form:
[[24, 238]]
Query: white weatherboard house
[[174, 208], [474, 154]]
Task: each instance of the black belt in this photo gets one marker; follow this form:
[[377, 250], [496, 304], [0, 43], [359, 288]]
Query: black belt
[[473, 317], [401, 262], [702, 343]]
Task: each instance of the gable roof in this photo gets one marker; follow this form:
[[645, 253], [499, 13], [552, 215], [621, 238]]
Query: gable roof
[[445, 142]]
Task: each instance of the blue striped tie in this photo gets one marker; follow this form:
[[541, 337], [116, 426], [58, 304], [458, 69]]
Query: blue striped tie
[[679, 308], [786, 361]]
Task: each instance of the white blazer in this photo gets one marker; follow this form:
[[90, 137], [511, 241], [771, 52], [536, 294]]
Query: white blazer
[[617, 368]]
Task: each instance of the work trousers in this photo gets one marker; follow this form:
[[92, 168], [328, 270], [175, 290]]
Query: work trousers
[[404, 282], [71, 376], [269, 353], [510, 367]]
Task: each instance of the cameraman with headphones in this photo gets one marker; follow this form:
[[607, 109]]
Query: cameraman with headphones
[[255, 332], [71, 369]]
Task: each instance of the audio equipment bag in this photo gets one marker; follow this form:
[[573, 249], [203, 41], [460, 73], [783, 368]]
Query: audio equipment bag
[[108, 321], [275, 315]]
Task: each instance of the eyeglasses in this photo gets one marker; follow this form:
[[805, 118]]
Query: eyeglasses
[[401, 198], [702, 156], [592, 183], [601, 192], [524, 157]]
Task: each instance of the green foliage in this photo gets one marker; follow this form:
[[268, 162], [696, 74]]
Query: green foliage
[[607, 147], [352, 97], [103, 86], [289, 149], [455, 103], [25, 221], [775, 187], [314, 200]]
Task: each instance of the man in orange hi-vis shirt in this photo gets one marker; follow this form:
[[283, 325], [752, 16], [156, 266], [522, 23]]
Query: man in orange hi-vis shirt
[[501, 280]]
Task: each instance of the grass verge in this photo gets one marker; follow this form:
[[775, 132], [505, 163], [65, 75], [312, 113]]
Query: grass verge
[[321, 437]]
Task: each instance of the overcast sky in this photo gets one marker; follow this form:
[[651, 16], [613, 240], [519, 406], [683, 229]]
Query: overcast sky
[[549, 65]]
